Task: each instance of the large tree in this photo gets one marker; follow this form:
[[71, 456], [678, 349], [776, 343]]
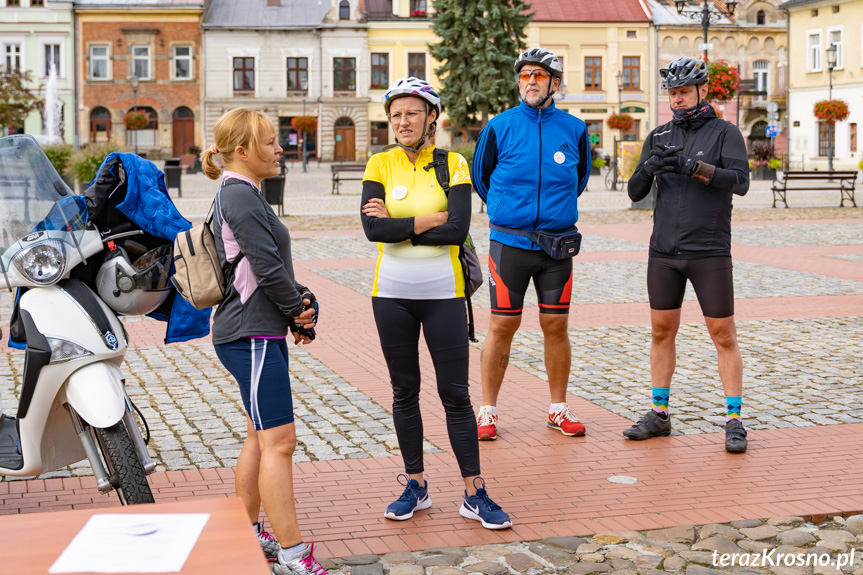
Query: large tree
[[16, 101], [479, 42]]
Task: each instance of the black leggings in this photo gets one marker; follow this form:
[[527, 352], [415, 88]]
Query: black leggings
[[444, 326]]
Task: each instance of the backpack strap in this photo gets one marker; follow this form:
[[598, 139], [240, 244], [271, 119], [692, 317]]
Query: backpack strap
[[440, 163]]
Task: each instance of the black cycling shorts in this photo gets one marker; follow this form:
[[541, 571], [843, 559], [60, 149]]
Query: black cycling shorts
[[711, 279], [511, 269]]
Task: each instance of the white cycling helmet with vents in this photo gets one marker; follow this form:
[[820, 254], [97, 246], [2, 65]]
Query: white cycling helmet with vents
[[412, 87], [540, 57]]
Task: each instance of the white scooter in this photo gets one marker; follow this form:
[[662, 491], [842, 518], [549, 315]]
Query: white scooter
[[73, 404]]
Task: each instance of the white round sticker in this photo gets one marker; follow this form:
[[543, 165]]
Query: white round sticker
[[400, 192], [559, 157]]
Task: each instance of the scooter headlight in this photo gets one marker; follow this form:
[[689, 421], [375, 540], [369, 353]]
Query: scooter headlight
[[64, 350], [43, 263]]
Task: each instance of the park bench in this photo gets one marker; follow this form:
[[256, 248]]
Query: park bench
[[843, 181], [342, 172]]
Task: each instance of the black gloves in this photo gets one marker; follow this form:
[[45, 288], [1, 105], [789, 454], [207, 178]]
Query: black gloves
[[313, 303], [667, 160]]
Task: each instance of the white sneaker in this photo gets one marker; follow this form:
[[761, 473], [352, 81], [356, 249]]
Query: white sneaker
[[302, 564]]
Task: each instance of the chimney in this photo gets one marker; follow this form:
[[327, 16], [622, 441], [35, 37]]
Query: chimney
[[276, 3]]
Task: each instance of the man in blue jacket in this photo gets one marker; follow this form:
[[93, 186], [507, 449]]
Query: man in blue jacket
[[530, 165]]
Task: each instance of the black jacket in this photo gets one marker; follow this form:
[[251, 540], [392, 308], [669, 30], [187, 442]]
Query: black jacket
[[692, 219]]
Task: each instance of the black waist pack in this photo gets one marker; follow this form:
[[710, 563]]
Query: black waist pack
[[559, 244]]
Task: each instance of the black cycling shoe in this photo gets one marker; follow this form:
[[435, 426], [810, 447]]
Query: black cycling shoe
[[651, 425], [735, 436]]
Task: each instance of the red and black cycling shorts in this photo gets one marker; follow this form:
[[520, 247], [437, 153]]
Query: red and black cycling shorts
[[511, 269]]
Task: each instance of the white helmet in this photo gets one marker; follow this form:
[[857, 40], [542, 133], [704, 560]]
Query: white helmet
[[540, 57], [412, 87], [135, 288]]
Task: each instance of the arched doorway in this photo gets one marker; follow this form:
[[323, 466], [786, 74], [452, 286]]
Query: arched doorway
[[183, 128], [100, 125], [345, 140]]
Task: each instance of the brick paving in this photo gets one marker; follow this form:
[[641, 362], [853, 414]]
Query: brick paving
[[799, 283]]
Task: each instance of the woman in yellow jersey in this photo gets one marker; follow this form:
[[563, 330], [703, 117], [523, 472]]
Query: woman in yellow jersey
[[419, 284]]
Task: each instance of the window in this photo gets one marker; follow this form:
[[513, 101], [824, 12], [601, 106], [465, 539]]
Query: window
[[852, 136], [631, 34], [182, 62], [147, 136], [298, 74], [141, 62], [835, 37], [344, 74], [632, 72], [98, 62], [380, 71], [631, 135], [417, 65], [35, 3], [344, 10], [13, 2], [12, 53], [594, 135], [761, 73], [52, 59], [593, 73], [813, 52], [824, 139], [100, 125], [244, 74], [760, 18], [418, 8]]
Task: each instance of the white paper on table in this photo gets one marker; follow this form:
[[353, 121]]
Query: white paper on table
[[132, 543]]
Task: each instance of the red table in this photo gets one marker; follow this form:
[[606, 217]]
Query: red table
[[30, 543]]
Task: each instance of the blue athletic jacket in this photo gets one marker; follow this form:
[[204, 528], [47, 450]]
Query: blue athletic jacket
[[530, 166]]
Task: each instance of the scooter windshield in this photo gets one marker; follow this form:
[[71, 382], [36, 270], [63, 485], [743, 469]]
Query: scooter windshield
[[33, 197]]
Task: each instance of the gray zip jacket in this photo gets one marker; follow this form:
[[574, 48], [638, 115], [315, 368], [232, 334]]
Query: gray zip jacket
[[254, 248]]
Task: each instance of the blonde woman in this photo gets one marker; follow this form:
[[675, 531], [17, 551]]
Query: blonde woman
[[262, 301]]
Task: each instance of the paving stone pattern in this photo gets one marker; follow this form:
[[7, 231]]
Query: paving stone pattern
[[796, 372], [625, 282], [848, 257], [197, 420], [809, 235], [755, 546]]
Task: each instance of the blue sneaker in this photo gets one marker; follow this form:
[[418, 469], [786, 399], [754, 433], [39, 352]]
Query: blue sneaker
[[413, 499], [483, 509]]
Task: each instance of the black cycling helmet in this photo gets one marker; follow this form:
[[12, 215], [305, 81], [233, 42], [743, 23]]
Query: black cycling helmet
[[685, 71], [540, 57]]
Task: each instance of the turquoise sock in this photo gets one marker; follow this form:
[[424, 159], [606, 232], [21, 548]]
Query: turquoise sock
[[734, 404], [660, 399]]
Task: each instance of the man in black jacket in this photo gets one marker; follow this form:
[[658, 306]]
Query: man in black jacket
[[698, 161]]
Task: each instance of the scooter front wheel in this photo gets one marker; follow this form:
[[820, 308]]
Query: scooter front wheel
[[126, 472]]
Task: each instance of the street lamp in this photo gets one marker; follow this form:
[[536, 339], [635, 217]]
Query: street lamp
[[619, 78], [134, 82], [304, 152], [705, 16], [831, 63]]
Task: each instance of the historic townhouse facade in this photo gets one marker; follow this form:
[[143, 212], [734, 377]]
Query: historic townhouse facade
[[399, 36], [290, 59], [36, 35], [753, 39], [144, 55], [814, 26], [605, 48]]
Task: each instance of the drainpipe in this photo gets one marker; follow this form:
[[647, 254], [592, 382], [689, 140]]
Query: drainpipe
[[320, 134], [76, 103]]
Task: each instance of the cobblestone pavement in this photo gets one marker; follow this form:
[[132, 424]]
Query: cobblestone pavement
[[196, 417], [790, 236], [796, 373], [778, 545]]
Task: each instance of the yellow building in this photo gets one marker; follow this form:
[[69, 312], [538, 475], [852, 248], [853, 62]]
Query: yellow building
[[605, 49], [814, 27], [399, 34]]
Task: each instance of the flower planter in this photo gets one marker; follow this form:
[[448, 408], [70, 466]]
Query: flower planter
[[763, 173]]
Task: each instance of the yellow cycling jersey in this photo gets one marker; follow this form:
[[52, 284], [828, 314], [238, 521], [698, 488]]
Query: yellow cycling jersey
[[403, 270]]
